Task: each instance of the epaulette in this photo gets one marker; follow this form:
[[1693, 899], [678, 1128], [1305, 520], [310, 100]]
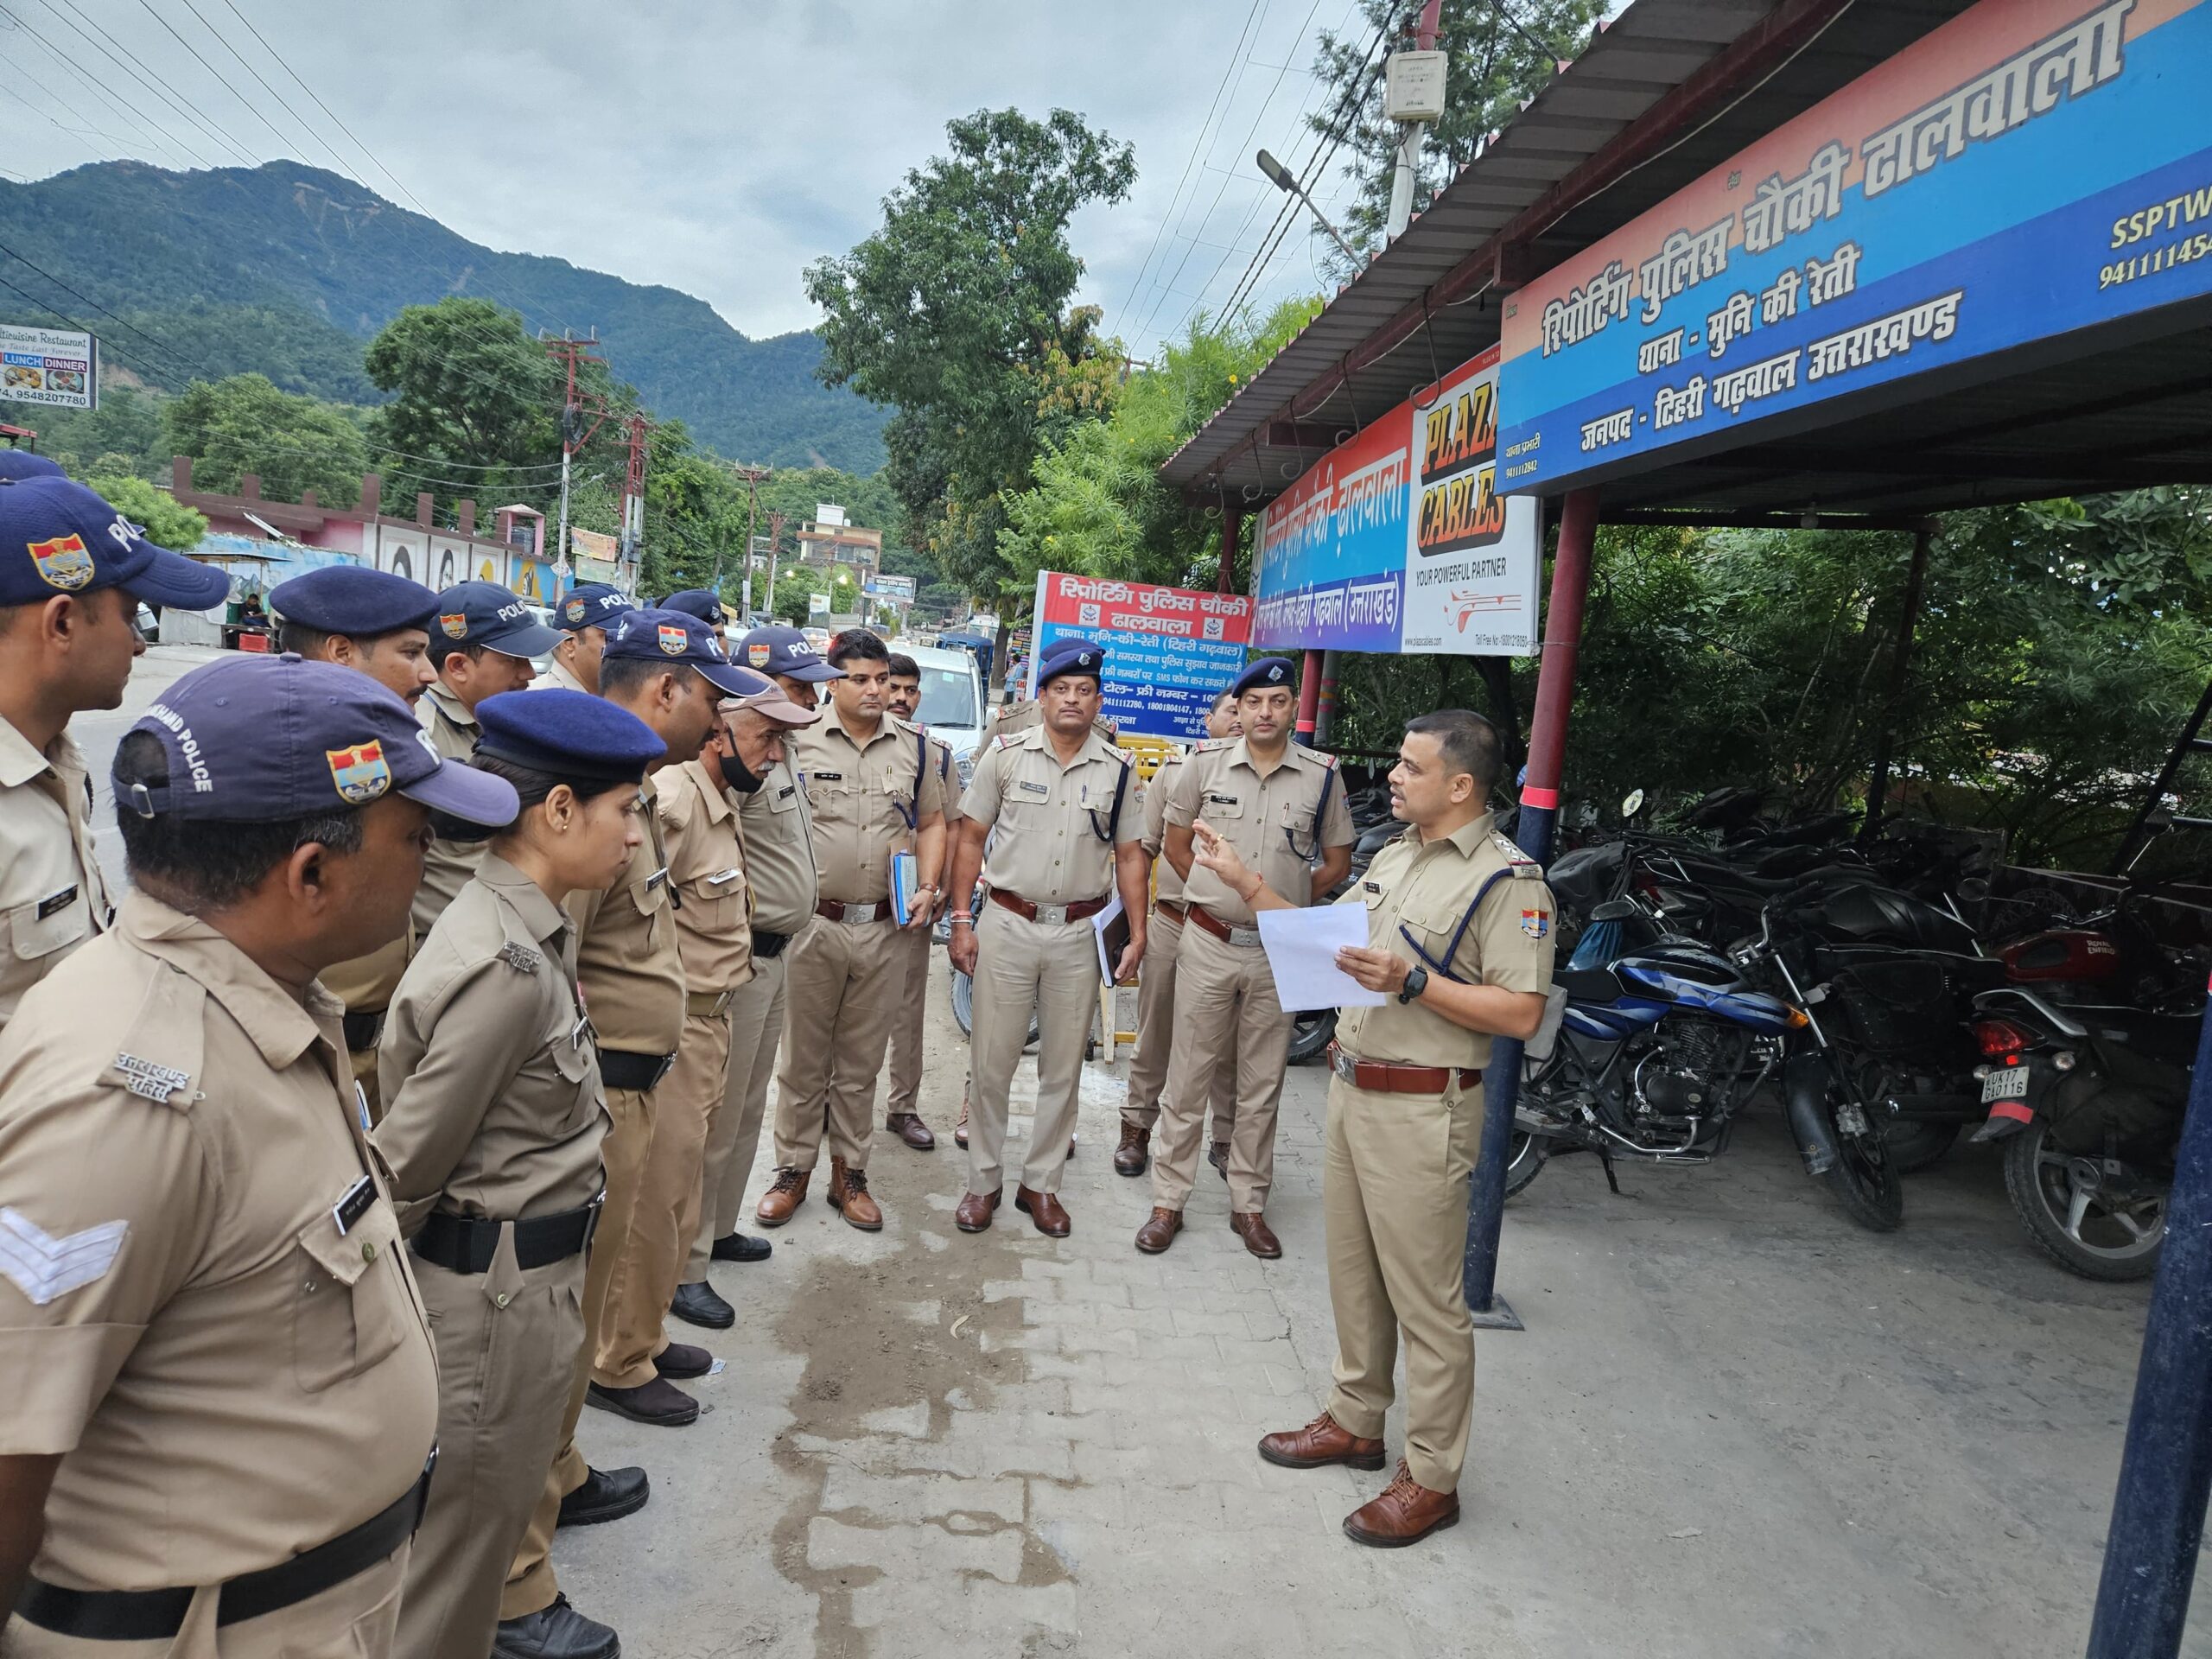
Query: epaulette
[[1006, 740], [1524, 867], [1328, 761], [1212, 745]]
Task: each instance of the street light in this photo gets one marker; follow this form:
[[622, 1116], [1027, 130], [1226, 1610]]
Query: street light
[[1281, 176]]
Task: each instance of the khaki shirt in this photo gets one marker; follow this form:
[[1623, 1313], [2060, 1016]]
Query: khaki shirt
[[627, 956], [231, 1379], [452, 727], [706, 865], [492, 1106], [51, 890], [365, 985], [1165, 883], [1426, 887], [777, 833], [1268, 820], [865, 801], [558, 676], [1049, 822]]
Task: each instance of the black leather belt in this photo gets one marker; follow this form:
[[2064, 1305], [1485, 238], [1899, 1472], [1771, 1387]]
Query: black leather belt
[[465, 1243], [619, 1069], [154, 1615], [768, 945], [362, 1031]]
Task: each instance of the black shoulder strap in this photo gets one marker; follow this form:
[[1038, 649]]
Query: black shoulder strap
[[1121, 789], [921, 765], [1321, 811], [1443, 970]]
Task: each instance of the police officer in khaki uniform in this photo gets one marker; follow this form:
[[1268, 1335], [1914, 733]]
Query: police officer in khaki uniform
[[901, 1115], [493, 1141], [221, 1390], [778, 836], [1279, 804], [1060, 808], [377, 624], [873, 792], [1156, 985], [583, 617], [72, 573], [1459, 940], [482, 638], [714, 932]]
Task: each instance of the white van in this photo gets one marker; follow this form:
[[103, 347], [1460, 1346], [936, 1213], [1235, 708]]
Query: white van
[[952, 699]]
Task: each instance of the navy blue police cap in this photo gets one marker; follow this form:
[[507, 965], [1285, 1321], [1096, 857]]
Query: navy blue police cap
[[1072, 655], [57, 536], [354, 601], [784, 652], [28, 463], [254, 738], [702, 602], [568, 734], [485, 614], [1263, 674], [674, 638], [589, 605]]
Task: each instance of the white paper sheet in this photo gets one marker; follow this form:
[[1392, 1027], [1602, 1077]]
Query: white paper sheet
[[1104, 919], [1302, 946]]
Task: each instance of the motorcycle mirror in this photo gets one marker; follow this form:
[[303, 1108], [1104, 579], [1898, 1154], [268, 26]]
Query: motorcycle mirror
[[1615, 910], [1973, 889], [1633, 805]]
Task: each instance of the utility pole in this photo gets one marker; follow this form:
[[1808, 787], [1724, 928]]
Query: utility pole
[[775, 548], [633, 495], [574, 434], [751, 475]]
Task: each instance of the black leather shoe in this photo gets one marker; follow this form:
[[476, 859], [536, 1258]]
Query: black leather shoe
[[606, 1495], [659, 1402], [559, 1632], [741, 1247], [682, 1361], [699, 1305]]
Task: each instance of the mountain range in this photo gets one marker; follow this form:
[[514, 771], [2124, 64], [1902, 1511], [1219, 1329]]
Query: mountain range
[[290, 270]]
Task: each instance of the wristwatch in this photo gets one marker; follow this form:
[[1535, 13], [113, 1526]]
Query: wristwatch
[[1416, 982]]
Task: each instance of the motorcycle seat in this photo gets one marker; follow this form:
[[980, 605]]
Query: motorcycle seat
[[1588, 984]]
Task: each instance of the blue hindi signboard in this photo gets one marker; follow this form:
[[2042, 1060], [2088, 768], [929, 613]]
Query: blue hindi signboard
[[2030, 168], [1170, 651]]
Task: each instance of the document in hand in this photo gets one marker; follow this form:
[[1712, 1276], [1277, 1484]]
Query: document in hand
[[1302, 946], [904, 875], [1112, 926]]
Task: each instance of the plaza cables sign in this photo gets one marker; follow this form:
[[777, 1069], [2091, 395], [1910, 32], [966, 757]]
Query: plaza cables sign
[[2030, 168], [1398, 540], [1169, 651]]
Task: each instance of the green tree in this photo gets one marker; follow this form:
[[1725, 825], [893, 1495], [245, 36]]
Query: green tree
[[956, 311], [166, 523], [1499, 56], [244, 424]]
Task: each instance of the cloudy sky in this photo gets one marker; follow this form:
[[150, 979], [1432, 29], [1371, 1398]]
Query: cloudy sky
[[715, 147]]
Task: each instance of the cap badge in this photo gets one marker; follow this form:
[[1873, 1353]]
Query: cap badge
[[575, 610], [360, 773], [673, 640], [759, 654], [1275, 672], [62, 562], [455, 624]]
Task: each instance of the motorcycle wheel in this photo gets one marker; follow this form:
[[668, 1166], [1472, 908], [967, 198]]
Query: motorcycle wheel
[[1529, 1152], [1914, 1146], [963, 1008], [1311, 1036], [1866, 1180], [2073, 1219]]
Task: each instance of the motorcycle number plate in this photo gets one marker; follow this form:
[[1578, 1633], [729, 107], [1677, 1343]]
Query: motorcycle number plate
[[2011, 1083]]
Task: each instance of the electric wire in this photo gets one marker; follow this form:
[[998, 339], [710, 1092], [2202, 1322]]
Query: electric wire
[[140, 71]]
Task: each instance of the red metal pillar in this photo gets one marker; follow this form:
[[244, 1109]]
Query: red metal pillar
[[1309, 697]]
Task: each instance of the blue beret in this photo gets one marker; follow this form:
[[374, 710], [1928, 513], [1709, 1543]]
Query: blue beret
[[1268, 671], [1072, 655], [677, 636], [25, 463], [567, 734], [589, 605], [351, 599], [702, 602], [57, 536]]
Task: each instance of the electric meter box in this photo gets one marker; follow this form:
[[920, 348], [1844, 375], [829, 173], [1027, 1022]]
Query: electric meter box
[[1413, 88]]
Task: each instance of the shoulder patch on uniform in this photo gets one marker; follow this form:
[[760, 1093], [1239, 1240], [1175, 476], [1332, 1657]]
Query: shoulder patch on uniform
[[520, 958], [45, 1267], [149, 1081], [1523, 865]]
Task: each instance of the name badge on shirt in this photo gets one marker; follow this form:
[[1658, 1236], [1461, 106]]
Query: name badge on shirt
[[657, 877], [354, 1205], [1028, 788], [828, 777], [55, 902], [1213, 799], [787, 792], [721, 876], [1370, 887]]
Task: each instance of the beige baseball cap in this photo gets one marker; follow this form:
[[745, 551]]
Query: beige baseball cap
[[776, 704]]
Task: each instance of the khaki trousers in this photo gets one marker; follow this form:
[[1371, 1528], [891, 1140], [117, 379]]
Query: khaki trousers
[[1394, 1198], [353, 1620], [507, 1341], [907, 1029], [846, 983], [1156, 1032], [756, 1029], [1224, 997], [650, 1255], [1052, 967], [531, 1582]]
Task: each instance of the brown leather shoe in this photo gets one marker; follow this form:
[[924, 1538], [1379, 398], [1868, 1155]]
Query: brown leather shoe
[[1158, 1233], [909, 1127], [848, 1197], [1253, 1229], [975, 1210], [1320, 1443], [1046, 1209], [784, 1194], [1406, 1513], [1217, 1155], [657, 1402], [960, 1129], [1134, 1155]]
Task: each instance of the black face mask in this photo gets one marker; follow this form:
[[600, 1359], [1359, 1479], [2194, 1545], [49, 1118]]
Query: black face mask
[[739, 776]]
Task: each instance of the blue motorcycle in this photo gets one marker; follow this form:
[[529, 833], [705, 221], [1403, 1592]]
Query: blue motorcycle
[[1657, 1053]]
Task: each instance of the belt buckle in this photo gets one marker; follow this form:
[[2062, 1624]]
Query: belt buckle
[[1052, 915], [1245, 936], [1344, 1065], [862, 913]]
